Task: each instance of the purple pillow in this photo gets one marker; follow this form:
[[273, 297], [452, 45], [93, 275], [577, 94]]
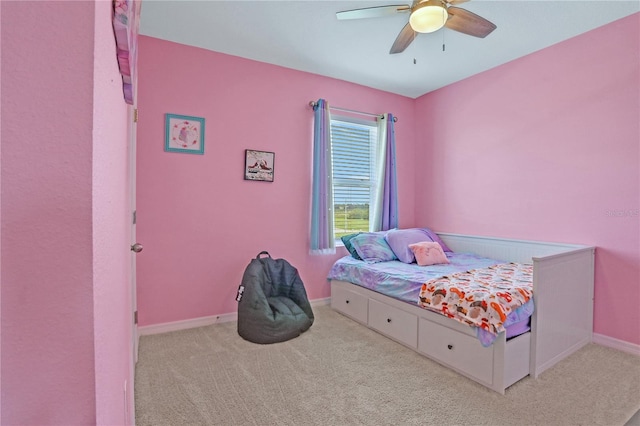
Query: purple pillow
[[434, 237], [399, 240], [372, 247]]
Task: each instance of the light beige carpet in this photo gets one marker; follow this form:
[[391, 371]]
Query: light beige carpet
[[340, 373]]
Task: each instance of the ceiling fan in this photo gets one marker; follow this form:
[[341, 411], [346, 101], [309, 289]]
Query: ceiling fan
[[426, 16]]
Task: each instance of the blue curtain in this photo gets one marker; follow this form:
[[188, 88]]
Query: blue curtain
[[386, 208], [322, 239]]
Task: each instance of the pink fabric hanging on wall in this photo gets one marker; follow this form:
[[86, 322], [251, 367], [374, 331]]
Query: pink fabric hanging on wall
[[126, 19]]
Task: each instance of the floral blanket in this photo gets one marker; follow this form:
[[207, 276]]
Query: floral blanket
[[482, 297]]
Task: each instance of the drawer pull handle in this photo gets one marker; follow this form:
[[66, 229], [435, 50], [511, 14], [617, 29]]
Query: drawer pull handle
[[450, 347], [388, 319], [347, 301]]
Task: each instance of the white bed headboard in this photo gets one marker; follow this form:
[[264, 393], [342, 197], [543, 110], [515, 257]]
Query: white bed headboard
[[505, 249]]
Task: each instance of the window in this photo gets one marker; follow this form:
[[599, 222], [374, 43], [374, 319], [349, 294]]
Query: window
[[353, 151]]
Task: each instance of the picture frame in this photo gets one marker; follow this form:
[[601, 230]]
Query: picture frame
[[259, 165], [184, 134]]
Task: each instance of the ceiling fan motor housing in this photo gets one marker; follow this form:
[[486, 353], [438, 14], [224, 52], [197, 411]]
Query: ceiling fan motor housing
[[428, 16]]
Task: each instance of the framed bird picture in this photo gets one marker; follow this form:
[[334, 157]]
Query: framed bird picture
[[184, 134], [258, 165]]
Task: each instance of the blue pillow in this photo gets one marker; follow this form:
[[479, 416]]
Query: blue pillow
[[372, 247], [346, 240]]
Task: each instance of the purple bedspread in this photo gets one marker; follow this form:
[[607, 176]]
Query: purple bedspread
[[402, 281]]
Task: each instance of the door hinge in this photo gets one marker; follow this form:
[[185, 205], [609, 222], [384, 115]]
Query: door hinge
[[135, 217], [135, 115], [135, 317]]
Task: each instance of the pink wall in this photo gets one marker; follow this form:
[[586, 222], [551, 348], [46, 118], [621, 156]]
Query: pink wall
[[47, 291], [546, 148], [199, 221], [0, 226], [64, 227], [543, 148], [111, 231]]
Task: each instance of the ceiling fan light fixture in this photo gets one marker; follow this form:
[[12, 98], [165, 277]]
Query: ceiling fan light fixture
[[428, 16]]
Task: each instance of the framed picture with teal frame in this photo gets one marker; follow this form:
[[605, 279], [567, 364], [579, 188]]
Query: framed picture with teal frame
[[184, 134]]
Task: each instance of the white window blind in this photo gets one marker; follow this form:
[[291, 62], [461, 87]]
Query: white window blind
[[353, 150]]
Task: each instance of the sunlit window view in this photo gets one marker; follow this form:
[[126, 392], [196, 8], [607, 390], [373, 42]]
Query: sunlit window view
[[353, 152]]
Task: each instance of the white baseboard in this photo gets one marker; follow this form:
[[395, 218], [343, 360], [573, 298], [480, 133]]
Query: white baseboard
[[621, 345], [539, 369], [167, 327], [320, 302], [204, 321]]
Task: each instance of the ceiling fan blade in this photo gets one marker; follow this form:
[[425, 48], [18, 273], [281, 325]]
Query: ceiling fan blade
[[404, 39], [456, 1], [469, 23], [373, 12]]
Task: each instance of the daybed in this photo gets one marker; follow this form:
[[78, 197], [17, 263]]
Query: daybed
[[561, 323]]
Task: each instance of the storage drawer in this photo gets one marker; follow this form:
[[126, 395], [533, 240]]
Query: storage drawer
[[462, 352], [349, 303], [393, 322]]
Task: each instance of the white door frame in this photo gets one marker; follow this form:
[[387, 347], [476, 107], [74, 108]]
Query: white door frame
[[132, 203], [132, 113]]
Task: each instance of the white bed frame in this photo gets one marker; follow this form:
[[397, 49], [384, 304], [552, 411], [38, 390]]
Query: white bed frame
[[560, 325]]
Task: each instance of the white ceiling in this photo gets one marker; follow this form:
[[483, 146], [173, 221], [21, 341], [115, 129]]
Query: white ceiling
[[305, 35]]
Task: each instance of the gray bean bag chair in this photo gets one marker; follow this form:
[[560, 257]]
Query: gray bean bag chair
[[272, 302]]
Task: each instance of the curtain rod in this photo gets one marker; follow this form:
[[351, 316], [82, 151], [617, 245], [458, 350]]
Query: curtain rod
[[312, 104]]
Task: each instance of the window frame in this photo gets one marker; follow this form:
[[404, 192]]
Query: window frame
[[372, 182]]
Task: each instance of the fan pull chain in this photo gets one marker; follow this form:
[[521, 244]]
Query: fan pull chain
[[443, 40]]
